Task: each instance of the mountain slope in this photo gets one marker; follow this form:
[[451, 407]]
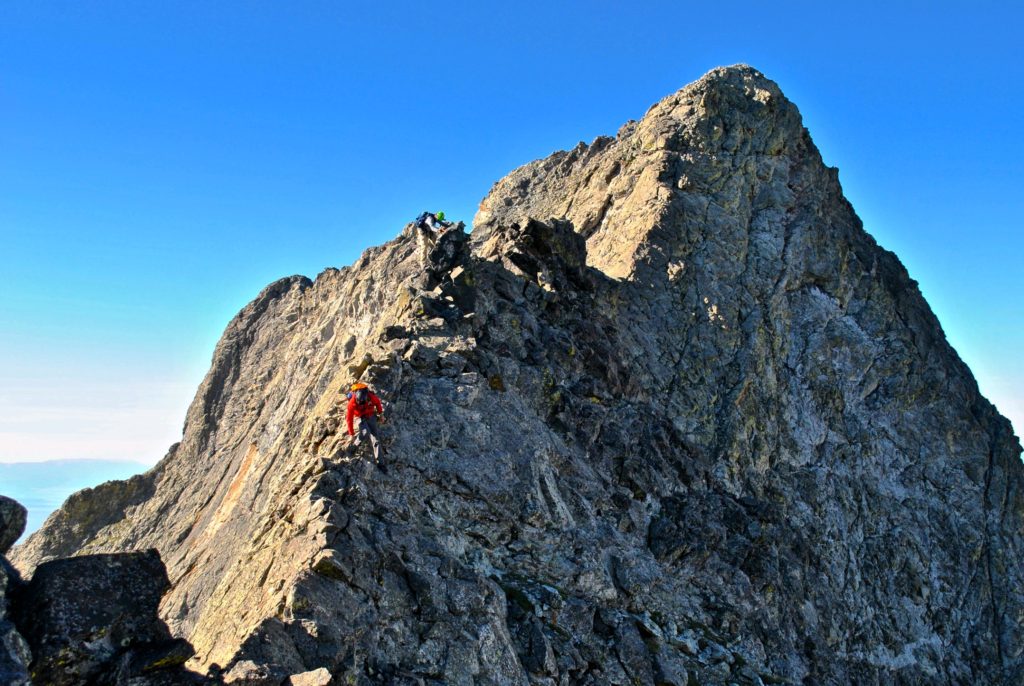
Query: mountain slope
[[42, 486], [668, 412]]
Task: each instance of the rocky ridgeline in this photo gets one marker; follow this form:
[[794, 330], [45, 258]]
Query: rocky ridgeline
[[667, 416]]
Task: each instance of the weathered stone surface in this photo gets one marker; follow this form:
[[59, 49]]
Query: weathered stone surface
[[316, 677], [13, 516], [669, 416], [93, 619], [15, 656], [161, 664], [248, 673]]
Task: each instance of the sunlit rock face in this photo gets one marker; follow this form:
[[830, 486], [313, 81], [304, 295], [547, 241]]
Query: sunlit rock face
[[667, 414]]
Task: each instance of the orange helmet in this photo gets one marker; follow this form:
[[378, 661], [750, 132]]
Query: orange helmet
[[357, 386]]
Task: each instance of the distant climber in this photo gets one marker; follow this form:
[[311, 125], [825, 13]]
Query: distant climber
[[428, 228], [433, 221], [365, 404]]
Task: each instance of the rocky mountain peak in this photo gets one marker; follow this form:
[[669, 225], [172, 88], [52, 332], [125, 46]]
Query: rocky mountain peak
[[618, 191], [667, 414]]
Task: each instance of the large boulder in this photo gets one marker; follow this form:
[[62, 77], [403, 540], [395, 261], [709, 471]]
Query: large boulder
[[93, 619]]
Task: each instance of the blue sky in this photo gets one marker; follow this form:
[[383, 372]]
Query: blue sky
[[161, 162]]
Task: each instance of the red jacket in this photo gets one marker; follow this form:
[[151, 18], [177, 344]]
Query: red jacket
[[371, 407]]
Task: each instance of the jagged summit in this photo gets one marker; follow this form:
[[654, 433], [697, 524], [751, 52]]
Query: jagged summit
[[619, 191], [668, 414]]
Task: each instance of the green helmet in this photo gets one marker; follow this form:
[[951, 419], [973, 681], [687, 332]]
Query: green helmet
[[440, 215]]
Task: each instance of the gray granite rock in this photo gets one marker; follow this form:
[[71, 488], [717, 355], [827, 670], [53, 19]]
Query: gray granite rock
[[13, 516], [670, 415], [315, 677], [15, 656], [93, 619]]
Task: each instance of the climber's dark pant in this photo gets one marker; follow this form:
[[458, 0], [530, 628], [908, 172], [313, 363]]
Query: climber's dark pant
[[368, 431]]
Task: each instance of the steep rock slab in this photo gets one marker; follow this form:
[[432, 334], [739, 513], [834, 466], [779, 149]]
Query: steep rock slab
[[697, 425]]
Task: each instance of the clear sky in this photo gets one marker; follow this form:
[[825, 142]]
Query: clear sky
[[161, 162]]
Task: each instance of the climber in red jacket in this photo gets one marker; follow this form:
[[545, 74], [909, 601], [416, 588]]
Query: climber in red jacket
[[365, 404]]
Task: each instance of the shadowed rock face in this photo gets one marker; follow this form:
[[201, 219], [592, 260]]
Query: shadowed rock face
[[670, 413], [12, 522], [15, 656], [14, 652], [92, 620], [88, 620]]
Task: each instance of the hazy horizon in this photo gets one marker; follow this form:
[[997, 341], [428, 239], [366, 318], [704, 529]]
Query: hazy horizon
[[42, 460]]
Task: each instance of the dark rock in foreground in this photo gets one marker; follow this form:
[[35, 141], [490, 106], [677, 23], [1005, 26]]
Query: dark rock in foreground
[[14, 652], [93, 620]]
